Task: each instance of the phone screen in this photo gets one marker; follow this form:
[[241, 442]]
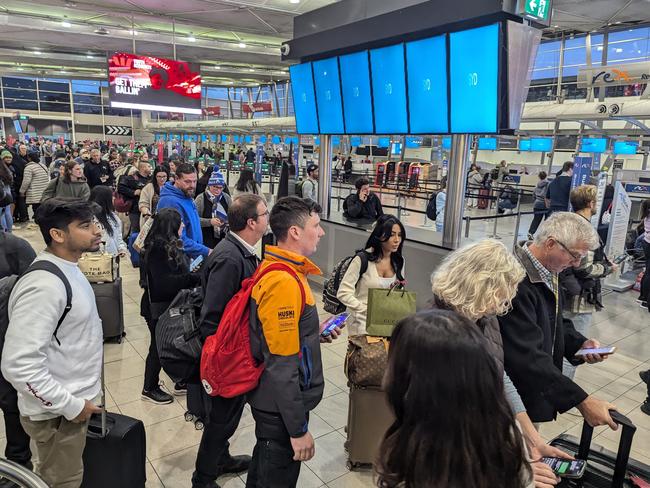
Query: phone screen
[[335, 322], [566, 468], [196, 263], [600, 350]]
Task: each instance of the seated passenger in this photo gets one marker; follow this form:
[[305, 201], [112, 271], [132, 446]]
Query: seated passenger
[[364, 204], [535, 335], [384, 267], [453, 426]]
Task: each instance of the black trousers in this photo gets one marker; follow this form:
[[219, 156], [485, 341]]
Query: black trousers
[[134, 220], [152, 363], [225, 414], [645, 282], [272, 465], [17, 448], [20, 211], [540, 215]]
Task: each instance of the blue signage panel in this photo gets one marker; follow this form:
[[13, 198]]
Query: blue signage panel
[[383, 142], [541, 144], [357, 99], [316, 141], [355, 141], [276, 140], [328, 96], [446, 142], [248, 139], [487, 143], [336, 141], [625, 147], [426, 62], [224, 138], [581, 171], [637, 188], [413, 142], [594, 145], [263, 139], [304, 99], [512, 179], [524, 145], [389, 89], [474, 77]]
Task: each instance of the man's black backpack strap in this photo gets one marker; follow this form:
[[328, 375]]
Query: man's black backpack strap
[[55, 270]]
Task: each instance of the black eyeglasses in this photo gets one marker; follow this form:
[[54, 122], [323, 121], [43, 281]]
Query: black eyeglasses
[[265, 214], [576, 257]]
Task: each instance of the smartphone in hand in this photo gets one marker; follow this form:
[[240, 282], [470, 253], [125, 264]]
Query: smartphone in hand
[[334, 322], [603, 351]]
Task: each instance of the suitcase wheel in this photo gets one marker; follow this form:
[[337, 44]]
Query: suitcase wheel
[[189, 417], [198, 425], [352, 466]]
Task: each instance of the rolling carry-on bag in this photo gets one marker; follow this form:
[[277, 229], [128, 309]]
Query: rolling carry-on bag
[[369, 417], [116, 451], [110, 306], [483, 195], [605, 469]]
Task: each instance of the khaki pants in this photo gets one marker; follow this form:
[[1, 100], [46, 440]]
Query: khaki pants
[[59, 447]]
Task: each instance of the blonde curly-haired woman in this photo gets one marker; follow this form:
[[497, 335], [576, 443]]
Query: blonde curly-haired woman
[[479, 282]]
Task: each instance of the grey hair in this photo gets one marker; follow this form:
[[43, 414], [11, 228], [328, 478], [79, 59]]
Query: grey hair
[[568, 228]]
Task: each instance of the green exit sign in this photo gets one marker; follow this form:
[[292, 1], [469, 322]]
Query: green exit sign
[[538, 10]]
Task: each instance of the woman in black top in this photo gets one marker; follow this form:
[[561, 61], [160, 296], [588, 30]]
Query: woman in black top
[[165, 271]]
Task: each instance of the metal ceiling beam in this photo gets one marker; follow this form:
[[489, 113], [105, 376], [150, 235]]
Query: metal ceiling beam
[[635, 122]]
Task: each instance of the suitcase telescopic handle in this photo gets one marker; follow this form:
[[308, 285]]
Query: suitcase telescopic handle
[[624, 447]]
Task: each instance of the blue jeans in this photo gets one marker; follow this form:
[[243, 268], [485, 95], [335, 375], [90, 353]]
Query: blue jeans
[[6, 219]]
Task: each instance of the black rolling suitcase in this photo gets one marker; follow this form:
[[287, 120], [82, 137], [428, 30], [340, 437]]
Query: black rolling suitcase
[[110, 306], [198, 406], [116, 451], [605, 469]]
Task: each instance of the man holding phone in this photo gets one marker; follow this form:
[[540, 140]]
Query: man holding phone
[[536, 337]]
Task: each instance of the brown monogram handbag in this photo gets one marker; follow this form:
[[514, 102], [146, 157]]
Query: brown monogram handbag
[[366, 360]]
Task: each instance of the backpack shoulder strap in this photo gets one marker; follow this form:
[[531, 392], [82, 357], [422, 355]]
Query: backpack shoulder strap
[[288, 269], [363, 255], [55, 270]]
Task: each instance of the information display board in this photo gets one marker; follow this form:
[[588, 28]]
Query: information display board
[[389, 89], [426, 62], [594, 145], [487, 144], [357, 98], [328, 96], [524, 145], [541, 144], [151, 83], [304, 99], [474, 78], [625, 147]]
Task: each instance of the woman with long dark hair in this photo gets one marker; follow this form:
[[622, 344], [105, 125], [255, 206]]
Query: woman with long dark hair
[[150, 194], [165, 271], [111, 223], [644, 296], [453, 426], [70, 184], [384, 266], [247, 184]]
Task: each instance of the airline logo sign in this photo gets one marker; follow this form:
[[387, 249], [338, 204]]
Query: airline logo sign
[[117, 130], [622, 74], [538, 10], [258, 107], [637, 188]]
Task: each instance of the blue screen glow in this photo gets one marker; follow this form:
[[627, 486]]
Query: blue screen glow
[[541, 144], [316, 141], [413, 142], [446, 142], [276, 140], [594, 145], [426, 62], [336, 141], [474, 74], [304, 100], [355, 141], [383, 142], [389, 90], [487, 143], [328, 96], [625, 147], [355, 85], [248, 139], [524, 145]]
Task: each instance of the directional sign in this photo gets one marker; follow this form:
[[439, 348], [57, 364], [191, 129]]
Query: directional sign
[[538, 10], [117, 130]]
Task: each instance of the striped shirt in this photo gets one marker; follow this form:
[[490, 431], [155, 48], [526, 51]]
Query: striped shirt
[[35, 181], [546, 275]]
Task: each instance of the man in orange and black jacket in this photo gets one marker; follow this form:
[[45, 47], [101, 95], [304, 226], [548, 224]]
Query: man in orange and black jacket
[[285, 336]]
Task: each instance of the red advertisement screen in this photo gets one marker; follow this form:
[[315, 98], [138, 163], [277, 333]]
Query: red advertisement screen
[[150, 83]]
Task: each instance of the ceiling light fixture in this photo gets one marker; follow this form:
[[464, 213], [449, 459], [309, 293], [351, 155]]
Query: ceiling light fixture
[[216, 67], [251, 70], [191, 38], [90, 56], [38, 53], [242, 45], [294, 1], [66, 23], [133, 32], [20, 68]]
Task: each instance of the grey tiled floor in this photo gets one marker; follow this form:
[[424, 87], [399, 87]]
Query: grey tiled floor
[[172, 443]]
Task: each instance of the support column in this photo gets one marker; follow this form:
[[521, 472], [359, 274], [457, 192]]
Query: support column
[[325, 175], [456, 186]]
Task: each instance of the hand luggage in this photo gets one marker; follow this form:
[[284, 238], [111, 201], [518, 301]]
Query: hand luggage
[[110, 306], [116, 451], [605, 469], [369, 417], [386, 307], [366, 360], [198, 406], [483, 201], [99, 267]]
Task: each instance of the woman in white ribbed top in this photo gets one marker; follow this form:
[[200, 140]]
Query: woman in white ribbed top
[[385, 266]]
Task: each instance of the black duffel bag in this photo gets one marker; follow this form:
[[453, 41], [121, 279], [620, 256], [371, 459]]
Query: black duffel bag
[[178, 337]]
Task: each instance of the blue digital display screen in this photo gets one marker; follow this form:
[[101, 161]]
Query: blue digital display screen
[[624, 147], [487, 143], [446, 142], [304, 99], [524, 145], [541, 144], [474, 75], [316, 141], [357, 99], [248, 139], [594, 145], [263, 139], [336, 141], [276, 140], [383, 142], [328, 96], [355, 141], [287, 140], [235, 139], [413, 142], [389, 89], [396, 149], [426, 62]]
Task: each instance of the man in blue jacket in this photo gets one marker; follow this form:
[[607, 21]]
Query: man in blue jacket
[[180, 195]]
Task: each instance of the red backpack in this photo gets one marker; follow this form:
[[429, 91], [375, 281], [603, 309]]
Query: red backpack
[[228, 368]]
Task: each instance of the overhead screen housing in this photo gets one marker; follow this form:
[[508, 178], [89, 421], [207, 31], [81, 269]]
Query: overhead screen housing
[[151, 83], [448, 83]]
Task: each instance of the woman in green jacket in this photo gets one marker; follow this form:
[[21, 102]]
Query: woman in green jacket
[[71, 183]]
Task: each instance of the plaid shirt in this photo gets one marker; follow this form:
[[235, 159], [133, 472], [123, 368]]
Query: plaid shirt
[[546, 275]]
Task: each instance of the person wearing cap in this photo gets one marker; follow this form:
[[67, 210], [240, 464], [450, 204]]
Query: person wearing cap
[[212, 206], [310, 185]]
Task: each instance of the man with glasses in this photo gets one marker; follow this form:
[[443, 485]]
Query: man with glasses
[[536, 337]]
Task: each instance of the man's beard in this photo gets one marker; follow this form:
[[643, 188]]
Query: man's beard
[[189, 193]]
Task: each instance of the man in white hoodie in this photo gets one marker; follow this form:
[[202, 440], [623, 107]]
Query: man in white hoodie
[[56, 370]]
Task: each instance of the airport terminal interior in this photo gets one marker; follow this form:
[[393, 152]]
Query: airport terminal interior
[[460, 119]]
